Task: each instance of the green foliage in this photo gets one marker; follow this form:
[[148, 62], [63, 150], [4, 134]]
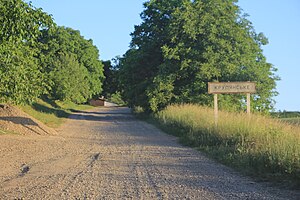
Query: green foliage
[[255, 144], [135, 78], [71, 64], [88, 56], [181, 45], [69, 78], [37, 57], [116, 98], [111, 82], [21, 23], [21, 80], [141, 63], [160, 94]]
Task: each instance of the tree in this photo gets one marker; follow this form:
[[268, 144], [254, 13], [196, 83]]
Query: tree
[[199, 41], [21, 80], [135, 76], [69, 77], [88, 56], [213, 42], [111, 82], [141, 63], [66, 41]]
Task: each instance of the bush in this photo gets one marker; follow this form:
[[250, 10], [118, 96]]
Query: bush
[[117, 99]]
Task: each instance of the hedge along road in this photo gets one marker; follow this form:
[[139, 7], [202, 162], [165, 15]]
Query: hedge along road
[[108, 154]]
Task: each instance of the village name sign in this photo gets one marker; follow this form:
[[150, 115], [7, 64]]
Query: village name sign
[[230, 88]]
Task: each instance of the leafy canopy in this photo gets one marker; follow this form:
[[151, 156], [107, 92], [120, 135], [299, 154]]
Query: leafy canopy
[[39, 58], [21, 80], [64, 49], [181, 45]]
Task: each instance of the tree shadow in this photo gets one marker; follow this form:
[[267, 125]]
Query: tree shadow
[[56, 110], [51, 102], [25, 122], [99, 113]]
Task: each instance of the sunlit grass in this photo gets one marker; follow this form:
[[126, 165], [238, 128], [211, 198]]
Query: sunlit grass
[[52, 113], [253, 143]]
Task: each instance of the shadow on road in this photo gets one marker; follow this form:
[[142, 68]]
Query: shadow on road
[[107, 115], [25, 122]]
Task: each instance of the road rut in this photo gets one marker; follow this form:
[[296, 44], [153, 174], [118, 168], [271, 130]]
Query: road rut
[[108, 154]]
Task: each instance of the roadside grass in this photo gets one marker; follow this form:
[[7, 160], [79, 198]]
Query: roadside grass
[[52, 113], [263, 147]]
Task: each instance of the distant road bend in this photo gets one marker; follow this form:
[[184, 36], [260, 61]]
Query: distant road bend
[[108, 154]]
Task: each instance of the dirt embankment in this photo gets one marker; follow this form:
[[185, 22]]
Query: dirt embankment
[[14, 120]]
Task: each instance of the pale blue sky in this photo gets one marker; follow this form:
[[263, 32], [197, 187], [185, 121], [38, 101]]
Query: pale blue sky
[[109, 22]]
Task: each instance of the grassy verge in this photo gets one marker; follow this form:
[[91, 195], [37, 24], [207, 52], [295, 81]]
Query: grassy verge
[[256, 145], [52, 113]]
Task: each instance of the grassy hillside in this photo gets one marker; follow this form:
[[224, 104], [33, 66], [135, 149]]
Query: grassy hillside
[[52, 113], [263, 146]]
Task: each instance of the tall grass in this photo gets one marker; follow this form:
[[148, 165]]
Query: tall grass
[[255, 143]]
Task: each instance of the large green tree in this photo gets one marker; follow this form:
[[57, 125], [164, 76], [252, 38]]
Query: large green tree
[[21, 80], [141, 63], [197, 42], [77, 50], [69, 78]]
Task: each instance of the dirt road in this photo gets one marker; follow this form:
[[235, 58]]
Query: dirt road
[[108, 154]]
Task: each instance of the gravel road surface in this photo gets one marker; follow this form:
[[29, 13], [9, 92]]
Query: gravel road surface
[[108, 154]]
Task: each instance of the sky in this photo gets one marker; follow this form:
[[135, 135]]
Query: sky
[[109, 24]]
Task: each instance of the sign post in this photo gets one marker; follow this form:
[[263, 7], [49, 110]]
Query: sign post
[[216, 109], [248, 104], [230, 88]]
